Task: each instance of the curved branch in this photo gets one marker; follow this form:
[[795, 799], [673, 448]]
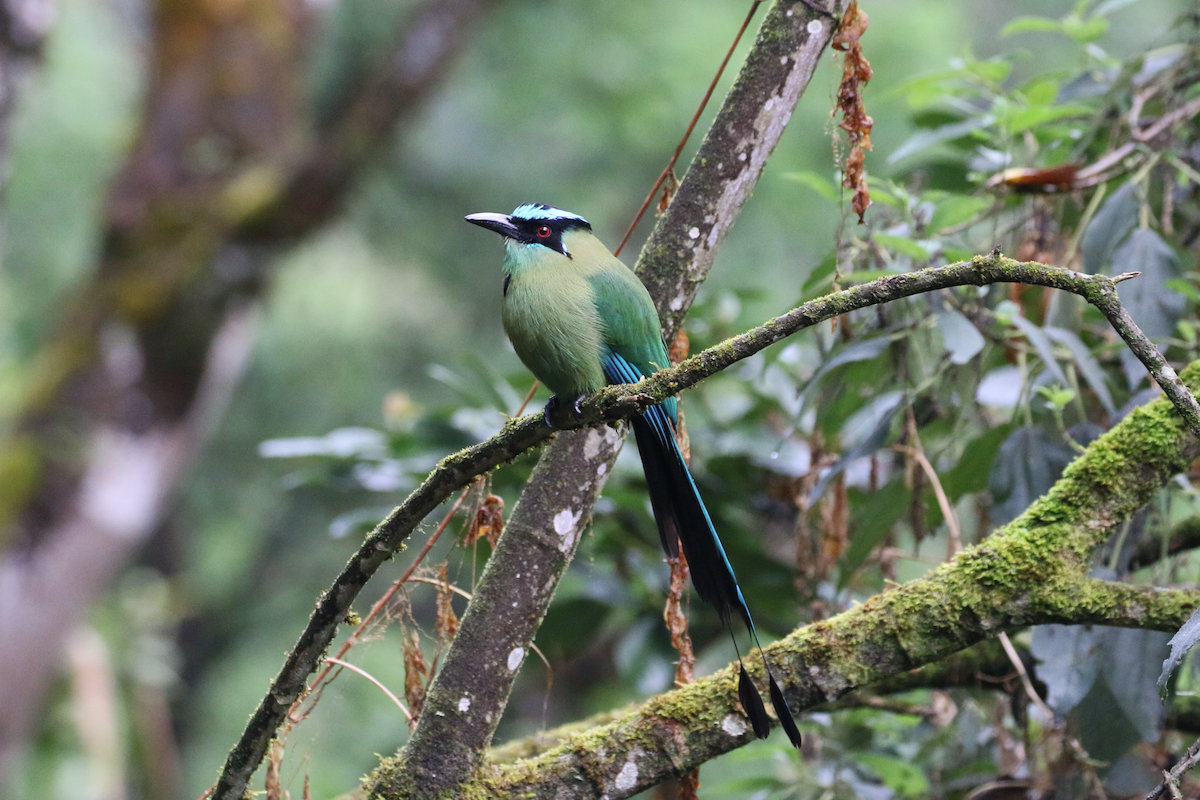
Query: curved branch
[[617, 402]]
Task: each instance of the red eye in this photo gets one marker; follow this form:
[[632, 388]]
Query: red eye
[[543, 231]]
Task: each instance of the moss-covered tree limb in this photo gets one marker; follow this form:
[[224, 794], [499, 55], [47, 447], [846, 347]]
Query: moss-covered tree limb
[[981, 665], [1032, 571]]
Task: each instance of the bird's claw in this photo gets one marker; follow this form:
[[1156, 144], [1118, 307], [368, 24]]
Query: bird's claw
[[551, 409]]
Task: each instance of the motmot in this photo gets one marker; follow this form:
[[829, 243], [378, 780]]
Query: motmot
[[580, 320]]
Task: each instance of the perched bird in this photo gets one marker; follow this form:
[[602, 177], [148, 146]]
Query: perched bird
[[580, 320]]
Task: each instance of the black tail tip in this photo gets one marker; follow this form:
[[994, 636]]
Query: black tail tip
[[753, 704], [756, 710], [784, 712]]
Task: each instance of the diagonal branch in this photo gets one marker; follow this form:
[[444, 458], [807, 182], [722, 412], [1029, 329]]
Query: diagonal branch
[[778, 67]]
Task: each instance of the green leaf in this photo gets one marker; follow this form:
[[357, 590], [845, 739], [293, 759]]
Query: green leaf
[[1030, 24], [880, 195], [923, 140], [1185, 288], [956, 209], [1026, 118], [1041, 92], [954, 254], [902, 245], [820, 184], [867, 275], [872, 521], [970, 474], [994, 70], [820, 277], [1087, 365], [900, 775], [1084, 31]]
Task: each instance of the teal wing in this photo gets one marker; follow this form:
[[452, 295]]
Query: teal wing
[[631, 327]]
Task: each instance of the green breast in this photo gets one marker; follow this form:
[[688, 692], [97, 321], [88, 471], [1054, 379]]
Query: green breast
[[553, 324]]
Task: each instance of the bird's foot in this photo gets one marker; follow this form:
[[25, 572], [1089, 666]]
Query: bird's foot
[[552, 408]]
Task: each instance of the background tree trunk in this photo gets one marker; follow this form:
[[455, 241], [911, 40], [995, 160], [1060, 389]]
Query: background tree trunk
[[229, 167]]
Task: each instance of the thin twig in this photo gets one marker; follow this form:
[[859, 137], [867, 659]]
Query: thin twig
[[374, 680], [317, 687], [956, 547], [1019, 666], [1171, 779], [955, 535]]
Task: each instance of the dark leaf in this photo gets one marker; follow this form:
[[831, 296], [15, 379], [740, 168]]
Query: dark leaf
[[1112, 223], [870, 427], [1066, 663], [1153, 306], [872, 521], [1094, 672], [1128, 662], [863, 350], [1028, 465]]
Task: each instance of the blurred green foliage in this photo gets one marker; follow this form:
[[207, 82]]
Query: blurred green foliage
[[379, 350]]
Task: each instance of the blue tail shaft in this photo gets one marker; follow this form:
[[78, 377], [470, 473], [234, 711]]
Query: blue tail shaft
[[683, 521]]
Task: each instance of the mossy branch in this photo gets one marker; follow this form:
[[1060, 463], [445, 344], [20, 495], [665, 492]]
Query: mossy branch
[[617, 402], [1032, 571], [675, 732]]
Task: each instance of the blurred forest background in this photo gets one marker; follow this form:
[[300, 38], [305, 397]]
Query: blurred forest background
[[270, 194]]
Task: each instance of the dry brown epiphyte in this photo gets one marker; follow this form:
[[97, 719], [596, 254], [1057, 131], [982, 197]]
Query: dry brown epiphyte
[[415, 673], [447, 620], [488, 521], [677, 622], [856, 71]]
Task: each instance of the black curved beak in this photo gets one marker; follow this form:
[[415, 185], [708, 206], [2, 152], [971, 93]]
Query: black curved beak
[[500, 223]]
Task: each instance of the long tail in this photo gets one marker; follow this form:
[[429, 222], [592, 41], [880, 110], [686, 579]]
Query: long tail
[[682, 518]]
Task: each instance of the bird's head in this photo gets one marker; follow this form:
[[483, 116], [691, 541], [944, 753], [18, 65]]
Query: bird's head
[[534, 225]]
